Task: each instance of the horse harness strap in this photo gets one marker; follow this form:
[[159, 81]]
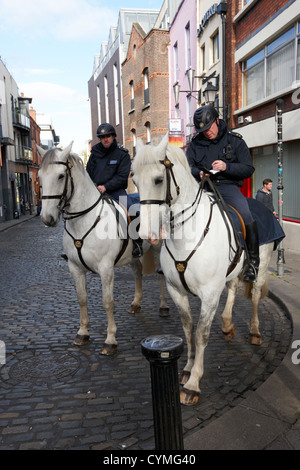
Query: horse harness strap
[[170, 174], [78, 243], [72, 215], [182, 265], [62, 197]]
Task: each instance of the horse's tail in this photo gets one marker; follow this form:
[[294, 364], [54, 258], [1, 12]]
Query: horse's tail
[[148, 263]]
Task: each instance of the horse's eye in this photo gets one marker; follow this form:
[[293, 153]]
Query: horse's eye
[[61, 176], [158, 180]]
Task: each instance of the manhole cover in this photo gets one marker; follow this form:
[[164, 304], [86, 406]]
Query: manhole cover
[[44, 367]]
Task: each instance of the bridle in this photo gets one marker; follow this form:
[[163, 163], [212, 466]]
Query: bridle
[[63, 201], [168, 199], [169, 172]]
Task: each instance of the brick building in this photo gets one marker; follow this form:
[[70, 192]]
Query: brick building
[[145, 80], [105, 85]]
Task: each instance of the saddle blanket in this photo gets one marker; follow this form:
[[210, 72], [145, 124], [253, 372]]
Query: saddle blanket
[[268, 227]]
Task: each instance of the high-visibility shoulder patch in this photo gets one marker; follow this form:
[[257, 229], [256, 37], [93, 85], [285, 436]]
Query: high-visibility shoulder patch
[[236, 134]]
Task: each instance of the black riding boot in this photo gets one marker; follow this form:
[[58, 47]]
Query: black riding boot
[[252, 261], [137, 250]]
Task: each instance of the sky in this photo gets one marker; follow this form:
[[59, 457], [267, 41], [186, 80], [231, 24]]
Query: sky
[[49, 49]]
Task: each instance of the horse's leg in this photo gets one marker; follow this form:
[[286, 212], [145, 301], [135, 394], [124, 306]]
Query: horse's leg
[[254, 334], [257, 292], [182, 303], [79, 277], [164, 310], [227, 325], [135, 306], [107, 279], [189, 395]]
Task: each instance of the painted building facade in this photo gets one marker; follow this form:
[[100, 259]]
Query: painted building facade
[[267, 69]]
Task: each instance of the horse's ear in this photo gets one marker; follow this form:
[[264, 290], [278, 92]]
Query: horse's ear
[[66, 152], [139, 145], [162, 147], [40, 150]]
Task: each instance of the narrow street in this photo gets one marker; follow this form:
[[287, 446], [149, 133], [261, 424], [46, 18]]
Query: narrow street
[[54, 395]]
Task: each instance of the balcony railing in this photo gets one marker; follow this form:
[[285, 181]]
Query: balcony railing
[[24, 153], [20, 119]]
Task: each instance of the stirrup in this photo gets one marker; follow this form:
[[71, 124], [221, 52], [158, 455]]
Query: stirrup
[[249, 276], [137, 250]]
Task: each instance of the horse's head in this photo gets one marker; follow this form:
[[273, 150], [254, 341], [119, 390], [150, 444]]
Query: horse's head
[[56, 182], [154, 178]]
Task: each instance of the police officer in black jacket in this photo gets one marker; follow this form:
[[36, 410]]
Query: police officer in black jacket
[[216, 148], [109, 167]]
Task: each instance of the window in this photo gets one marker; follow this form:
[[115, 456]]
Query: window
[[202, 58], [273, 68], [116, 95], [298, 53], [131, 94], [148, 132], [187, 47], [98, 104], [146, 90], [175, 55], [189, 115], [106, 99], [215, 48], [133, 133]]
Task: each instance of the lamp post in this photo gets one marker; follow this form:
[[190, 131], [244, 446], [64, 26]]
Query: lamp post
[[280, 258], [210, 93]]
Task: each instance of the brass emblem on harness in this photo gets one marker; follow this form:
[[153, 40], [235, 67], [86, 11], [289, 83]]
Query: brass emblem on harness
[[78, 243], [180, 267]]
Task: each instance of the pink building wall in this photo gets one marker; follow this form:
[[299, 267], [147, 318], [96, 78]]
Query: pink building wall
[[186, 14]]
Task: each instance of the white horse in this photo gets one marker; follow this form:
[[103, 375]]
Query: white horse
[[93, 238], [196, 257]]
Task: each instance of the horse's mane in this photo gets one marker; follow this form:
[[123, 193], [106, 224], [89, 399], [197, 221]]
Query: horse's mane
[[151, 155], [51, 156]]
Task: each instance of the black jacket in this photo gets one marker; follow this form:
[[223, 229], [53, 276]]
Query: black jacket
[[227, 146], [109, 167], [265, 198]]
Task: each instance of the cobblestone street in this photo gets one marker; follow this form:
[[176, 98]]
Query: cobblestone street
[[54, 395]]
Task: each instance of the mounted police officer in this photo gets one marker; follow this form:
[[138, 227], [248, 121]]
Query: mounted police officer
[[216, 148], [109, 167]]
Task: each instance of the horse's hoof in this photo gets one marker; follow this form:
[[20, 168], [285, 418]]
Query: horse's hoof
[[254, 339], [81, 340], [164, 312], [134, 309], [184, 377], [109, 349], [189, 397], [228, 335]]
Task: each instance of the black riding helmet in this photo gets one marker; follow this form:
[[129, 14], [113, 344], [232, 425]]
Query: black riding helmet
[[204, 117], [106, 129]]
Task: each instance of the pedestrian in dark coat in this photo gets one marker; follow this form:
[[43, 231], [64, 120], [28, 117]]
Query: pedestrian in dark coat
[[226, 154], [265, 196]]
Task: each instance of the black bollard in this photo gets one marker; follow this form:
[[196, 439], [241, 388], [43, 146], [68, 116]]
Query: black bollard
[[163, 351]]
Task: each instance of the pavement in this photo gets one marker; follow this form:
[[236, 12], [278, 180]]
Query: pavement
[[269, 417]]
